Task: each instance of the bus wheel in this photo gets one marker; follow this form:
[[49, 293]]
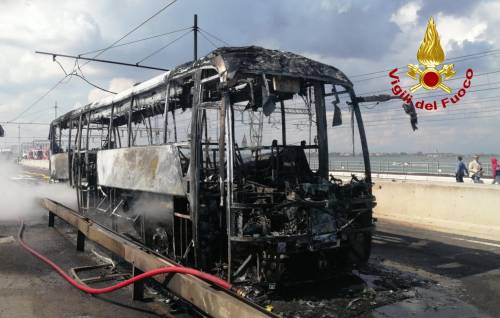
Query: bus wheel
[[360, 248]]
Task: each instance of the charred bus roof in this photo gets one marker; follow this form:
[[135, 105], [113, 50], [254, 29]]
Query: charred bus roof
[[230, 62], [258, 60]]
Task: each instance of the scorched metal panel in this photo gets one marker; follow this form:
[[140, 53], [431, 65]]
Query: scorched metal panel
[[152, 169], [59, 166]]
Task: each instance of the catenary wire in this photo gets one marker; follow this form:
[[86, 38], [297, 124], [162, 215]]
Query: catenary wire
[[139, 40], [478, 54], [164, 47], [133, 30], [53, 87], [206, 38], [429, 94], [82, 76], [215, 37]]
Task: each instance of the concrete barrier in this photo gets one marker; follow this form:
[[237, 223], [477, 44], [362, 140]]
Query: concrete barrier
[[37, 164], [465, 209], [401, 176]]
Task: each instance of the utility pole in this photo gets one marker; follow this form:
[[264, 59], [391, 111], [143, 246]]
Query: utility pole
[[352, 131], [55, 110], [20, 155], [195, 38]]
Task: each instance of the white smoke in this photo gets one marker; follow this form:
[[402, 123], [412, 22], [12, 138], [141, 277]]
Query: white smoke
[[21, 192]]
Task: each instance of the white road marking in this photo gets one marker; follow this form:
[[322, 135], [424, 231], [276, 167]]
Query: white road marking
[[387, 238], [477, 242], [8, 239]]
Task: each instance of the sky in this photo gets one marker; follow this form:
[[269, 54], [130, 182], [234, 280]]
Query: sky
[[358, 37]]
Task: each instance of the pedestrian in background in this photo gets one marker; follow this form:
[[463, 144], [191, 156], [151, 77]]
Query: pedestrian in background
[[495, 171], [461, 170], [475, 169]]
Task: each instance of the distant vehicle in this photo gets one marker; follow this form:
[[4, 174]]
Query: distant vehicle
[[37, 154]]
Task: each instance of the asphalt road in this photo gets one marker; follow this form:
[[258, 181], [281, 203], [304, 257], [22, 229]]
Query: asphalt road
[[465, 271], [412, 273]]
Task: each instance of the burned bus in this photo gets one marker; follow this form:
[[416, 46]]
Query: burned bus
[[222, 164]]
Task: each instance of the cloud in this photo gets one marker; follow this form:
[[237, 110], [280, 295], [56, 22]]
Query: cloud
[[54, 25], [354, 36], [406, 17], [457, 30], [20, 66], [338, 6], [29, 26], [115, 85]]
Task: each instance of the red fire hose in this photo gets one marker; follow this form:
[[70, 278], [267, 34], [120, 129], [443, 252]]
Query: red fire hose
[[163, 270]]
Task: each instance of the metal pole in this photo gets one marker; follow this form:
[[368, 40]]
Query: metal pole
[[352, 132], [129, 125], [283, 124], [195, 37], [19, 155], [55, 110], [54, 55]]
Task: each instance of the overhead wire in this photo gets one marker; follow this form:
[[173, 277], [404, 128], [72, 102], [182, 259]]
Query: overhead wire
[[209, 41], [53, 87], [82, 76], [212, 43], [133, 30], [396, 107], [214, 36], [390, 123], [393, 104], [430, 94], [399, 72], [397, 121], [459, 58], [164, 47], [22, 123], [38, 112], [491, 108], [388, 90], [139, 40], [39, 99]]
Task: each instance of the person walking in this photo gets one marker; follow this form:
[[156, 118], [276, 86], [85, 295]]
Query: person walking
[[475, 170], [461, 170], [495, 170]]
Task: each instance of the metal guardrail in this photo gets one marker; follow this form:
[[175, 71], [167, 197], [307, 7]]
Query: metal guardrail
[[434, 168], [211, 300]]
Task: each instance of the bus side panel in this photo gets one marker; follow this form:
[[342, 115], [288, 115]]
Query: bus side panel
[[154, 169], [59, 166]]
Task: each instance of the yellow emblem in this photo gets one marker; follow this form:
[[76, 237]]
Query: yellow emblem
[[431, 54]]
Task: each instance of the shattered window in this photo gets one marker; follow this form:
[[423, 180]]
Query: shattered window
[[254, 131], [345, 153], [179, 115]]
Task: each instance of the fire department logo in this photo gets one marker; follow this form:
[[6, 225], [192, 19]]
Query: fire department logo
[[431, 55]]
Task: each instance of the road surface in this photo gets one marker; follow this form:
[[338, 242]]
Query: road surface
[[412, 273]]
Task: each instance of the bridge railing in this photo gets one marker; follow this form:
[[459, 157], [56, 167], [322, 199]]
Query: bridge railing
[[434, 168]]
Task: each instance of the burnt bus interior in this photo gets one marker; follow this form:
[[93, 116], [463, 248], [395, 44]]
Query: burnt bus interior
[[222, 164]]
